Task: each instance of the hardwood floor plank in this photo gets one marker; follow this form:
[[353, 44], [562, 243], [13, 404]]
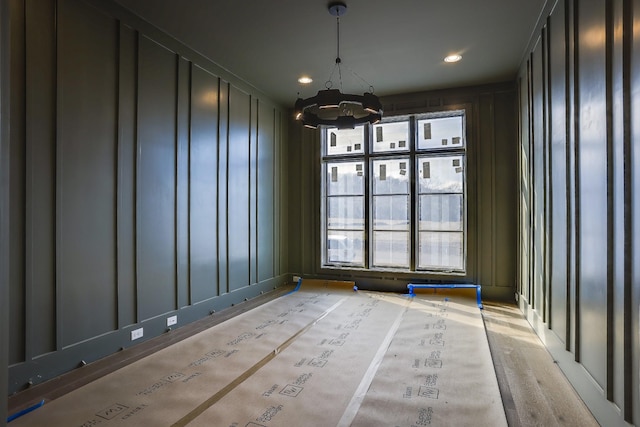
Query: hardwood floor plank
[[534, 390]]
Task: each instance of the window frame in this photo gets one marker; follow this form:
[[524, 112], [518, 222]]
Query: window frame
[[412, 153]]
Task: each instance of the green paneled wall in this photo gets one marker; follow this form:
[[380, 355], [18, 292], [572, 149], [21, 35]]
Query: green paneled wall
[[145, 182], [579, 219]]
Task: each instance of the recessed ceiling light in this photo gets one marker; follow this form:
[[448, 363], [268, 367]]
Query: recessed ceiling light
[[305, 80], [453, 58]]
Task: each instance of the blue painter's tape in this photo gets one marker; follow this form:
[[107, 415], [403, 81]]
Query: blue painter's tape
[[297, 287], [25, 411], [412, 286]]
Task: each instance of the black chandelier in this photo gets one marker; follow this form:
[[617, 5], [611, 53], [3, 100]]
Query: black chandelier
[[331, 107]]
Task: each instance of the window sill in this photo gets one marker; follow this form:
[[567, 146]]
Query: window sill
[[431, 274]]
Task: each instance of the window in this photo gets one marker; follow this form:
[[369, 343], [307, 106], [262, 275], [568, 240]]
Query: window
[[394, 195]]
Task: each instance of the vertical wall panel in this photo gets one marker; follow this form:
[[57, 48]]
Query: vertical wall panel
[[573, 188], [86, 179], [558, 171], [253, 190], [295, 224], [156, 170], [485, 191], [204, 183], [183, 188], [223, 191], [525, 185], [531, 267], [5, 55], [546, 172], [634, 164], [592, 157], [40, 151], [505, 219], [238, 187], [126, 177], [16, 186], [617, 200], [309, 196], [266, 178], [281, 212], [538, 172]]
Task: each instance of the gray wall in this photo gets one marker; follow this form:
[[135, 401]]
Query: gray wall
[[579, 275], [144, 182], [491, 192]]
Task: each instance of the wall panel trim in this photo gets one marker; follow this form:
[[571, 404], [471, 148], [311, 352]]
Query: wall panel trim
[[627, 46], [530, 294], [5, 50], [117, 214], [576, 177], [611, 252], [136, 180], [548, 117], [568, 137], [136, 174], [176, 185], [58, 195], [546, 175]]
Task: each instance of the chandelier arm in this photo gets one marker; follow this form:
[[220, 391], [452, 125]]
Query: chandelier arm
[[371, 89], [329, 83]]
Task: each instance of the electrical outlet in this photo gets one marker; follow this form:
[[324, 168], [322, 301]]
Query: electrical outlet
[[172, 320], [137, 333]]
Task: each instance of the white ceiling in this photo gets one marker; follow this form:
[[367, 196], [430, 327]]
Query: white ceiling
[[397, 46]]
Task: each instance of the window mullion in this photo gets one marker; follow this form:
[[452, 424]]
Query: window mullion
[[413, 229], [367, 197]]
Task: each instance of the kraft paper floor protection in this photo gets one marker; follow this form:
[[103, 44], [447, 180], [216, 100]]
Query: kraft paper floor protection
[[323, 356]]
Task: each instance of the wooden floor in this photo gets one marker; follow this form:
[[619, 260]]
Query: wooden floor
[[534, 390]]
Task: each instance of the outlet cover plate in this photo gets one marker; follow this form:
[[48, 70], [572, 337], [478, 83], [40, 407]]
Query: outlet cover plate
[[172, 320], [137, 333]]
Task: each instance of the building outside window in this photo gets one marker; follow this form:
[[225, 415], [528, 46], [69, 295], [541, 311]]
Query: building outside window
[[394, 195]]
